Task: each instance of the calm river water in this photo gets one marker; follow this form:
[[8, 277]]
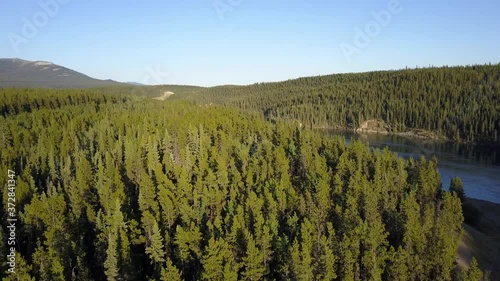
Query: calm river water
[[479, 168]]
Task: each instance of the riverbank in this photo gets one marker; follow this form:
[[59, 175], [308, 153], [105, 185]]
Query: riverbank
[[412, 134], [482, 240], [379, 127]]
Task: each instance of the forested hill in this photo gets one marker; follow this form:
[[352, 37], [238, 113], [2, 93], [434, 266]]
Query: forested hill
[[461, 103], [150, 91], [119, 188]]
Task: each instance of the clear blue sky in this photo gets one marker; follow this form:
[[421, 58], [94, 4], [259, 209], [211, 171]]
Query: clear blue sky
[[255, 41]]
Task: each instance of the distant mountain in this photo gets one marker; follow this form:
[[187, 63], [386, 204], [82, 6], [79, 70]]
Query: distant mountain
[[41, 74]]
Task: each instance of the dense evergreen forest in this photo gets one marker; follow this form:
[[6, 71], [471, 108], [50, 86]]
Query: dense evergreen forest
[[460, 103], [151, 91], [115, 187]]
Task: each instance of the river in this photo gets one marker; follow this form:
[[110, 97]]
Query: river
[[478, 167]]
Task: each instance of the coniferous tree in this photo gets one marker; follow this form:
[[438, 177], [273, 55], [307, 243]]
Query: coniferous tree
[[170, 272], [474, 273], [116, 187], [457, 187], [155, 249], [254, 268]]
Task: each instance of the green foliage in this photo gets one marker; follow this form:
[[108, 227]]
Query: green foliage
[[219, 262], [111, 263], [461, 103], [120, 188], [457, 187], [253, 262], [474, 273], [155, 249], [170, 273], [23, 270]]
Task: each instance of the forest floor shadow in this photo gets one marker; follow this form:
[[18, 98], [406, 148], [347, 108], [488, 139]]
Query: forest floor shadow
[[482, 241]]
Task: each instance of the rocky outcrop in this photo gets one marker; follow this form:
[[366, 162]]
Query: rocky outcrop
[[374, 126], [164, 96]]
